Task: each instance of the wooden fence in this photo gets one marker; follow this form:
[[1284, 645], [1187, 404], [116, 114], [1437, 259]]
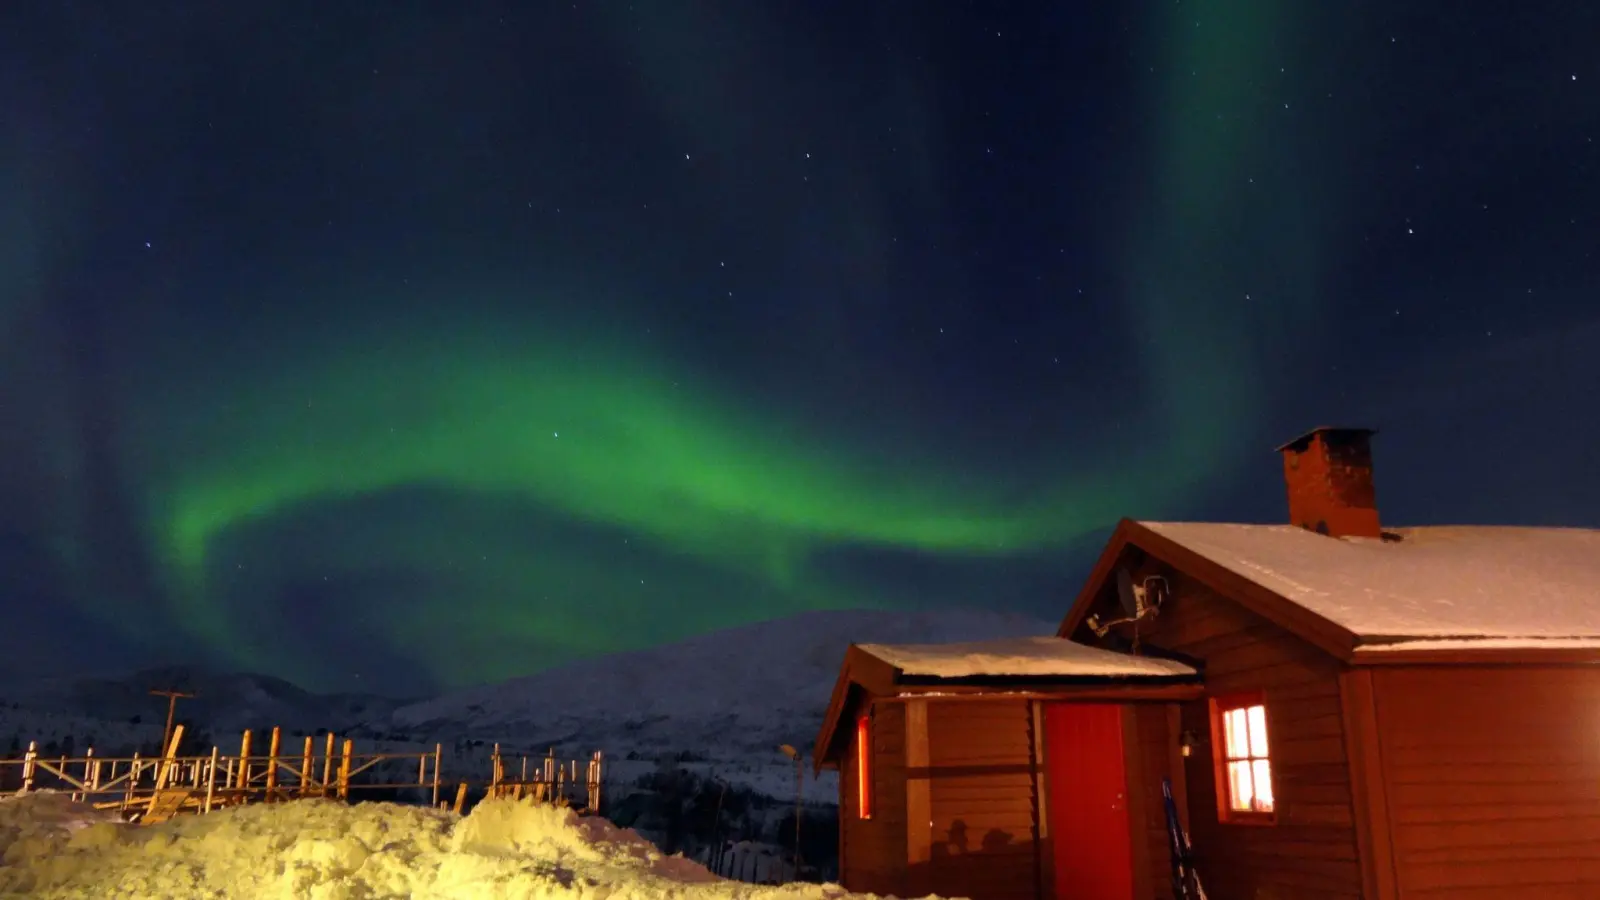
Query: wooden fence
[[152, 789], [552, 780], [155, 788]]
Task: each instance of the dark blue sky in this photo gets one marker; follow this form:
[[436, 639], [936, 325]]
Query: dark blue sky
[[442, 343]]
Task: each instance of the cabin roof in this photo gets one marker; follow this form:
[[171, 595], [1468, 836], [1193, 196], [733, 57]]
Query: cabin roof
[[1044, 656], [1417, 585], [1436, 582], [1041, 667]]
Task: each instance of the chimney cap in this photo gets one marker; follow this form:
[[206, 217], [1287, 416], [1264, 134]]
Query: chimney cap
[[1304, 440]]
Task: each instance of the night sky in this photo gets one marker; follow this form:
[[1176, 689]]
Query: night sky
[[406, 345]]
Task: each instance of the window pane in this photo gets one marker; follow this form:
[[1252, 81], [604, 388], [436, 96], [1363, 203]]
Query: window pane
[[1236, 734], [864, 767], [1261, 777], [1258, 731], [1241, 795]]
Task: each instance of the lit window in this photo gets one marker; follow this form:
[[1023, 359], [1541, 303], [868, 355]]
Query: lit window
[[864, 765], [1243, 761]]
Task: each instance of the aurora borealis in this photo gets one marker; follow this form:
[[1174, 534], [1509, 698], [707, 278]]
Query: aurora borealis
[[436, 346]]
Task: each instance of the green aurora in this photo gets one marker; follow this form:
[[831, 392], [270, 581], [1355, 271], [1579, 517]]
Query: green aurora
[[604, 440], [506, 493]]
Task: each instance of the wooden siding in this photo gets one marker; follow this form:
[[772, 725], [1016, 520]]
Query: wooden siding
[[984, 800], [1492, 780], [1309, 851], [872, 852], [1150, 760]]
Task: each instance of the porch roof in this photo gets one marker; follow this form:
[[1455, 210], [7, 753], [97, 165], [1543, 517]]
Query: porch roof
[[1017, 668]]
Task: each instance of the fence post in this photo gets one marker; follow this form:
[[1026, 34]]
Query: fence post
[[244, 762], [211, 778], [438, 754], [306, 758], [28, 766], [169, 759], [344, 770], [327, 765], [273, 745], [133, 781]]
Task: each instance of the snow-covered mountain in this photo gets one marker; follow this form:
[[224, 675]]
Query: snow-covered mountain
[[114, 711], [721, 703], [725, 694]]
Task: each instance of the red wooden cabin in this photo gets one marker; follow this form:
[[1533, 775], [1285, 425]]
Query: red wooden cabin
[[1405, 713]]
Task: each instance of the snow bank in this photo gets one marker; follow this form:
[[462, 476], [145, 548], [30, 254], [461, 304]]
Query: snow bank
[[52, 848]]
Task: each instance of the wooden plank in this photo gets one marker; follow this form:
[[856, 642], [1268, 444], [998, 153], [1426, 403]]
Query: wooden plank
[[1137, 799], [919, 812], [1180, 789], [1045, 862], [164, 805]]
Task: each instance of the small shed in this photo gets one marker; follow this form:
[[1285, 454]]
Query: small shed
[[946, 788], [1376, 713]]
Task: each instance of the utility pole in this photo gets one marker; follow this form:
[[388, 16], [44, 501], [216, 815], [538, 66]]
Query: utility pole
[[799, 799], [172, 708]]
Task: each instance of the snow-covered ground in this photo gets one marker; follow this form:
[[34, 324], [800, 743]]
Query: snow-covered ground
[[52, 849]]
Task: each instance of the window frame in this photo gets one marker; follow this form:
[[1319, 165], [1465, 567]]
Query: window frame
[[865, 768], [1221, 705]]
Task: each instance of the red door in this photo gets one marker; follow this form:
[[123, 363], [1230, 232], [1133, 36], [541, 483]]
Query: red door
[[1087, 801]]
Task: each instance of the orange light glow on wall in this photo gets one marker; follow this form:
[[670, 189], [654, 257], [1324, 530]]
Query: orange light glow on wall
[[864, 765]]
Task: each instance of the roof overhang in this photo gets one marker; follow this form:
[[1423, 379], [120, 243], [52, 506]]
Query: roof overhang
[[1476, 651], [1329, 636]]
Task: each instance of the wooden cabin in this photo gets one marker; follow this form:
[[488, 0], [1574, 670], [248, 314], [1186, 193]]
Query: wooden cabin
[[1343, 711]]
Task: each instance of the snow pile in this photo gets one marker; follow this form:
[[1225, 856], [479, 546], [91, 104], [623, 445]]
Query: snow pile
[[1039, 656], [51, 848]]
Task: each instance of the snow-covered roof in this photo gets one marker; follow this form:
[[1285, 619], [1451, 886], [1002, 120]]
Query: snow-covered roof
[[1435, 582], [1037, 656]]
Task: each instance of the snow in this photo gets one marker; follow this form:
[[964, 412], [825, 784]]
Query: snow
[[718, 705], [1435, 582], [1447, 644], [51, 849], [1042, 656]]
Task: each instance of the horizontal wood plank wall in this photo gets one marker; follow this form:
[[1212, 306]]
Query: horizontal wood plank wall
[[1493, 780], [874, 850], [1155, 760], [983, 799], [1309, 853]]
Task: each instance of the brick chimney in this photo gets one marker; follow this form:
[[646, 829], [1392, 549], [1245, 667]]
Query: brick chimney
[[1329, 475]]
